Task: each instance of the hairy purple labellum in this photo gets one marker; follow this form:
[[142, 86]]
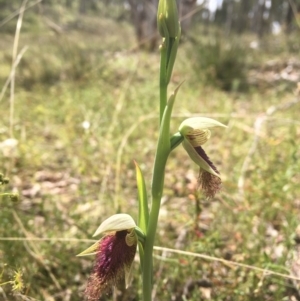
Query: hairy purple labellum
[[209, 183], [204, 156], [113, 256]]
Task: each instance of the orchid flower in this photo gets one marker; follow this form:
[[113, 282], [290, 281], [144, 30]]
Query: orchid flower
[[196, 132], [114, 252]]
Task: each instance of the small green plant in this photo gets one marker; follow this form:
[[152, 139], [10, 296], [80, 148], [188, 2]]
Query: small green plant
[[115, 251], [14, 197], [16, 282]]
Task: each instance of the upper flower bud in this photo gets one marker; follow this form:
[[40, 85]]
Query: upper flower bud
[[167, 18], [195, 132]]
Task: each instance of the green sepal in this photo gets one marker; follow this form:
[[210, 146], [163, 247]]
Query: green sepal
[[142, 197], [198, 123], [190, 149], [92, 250]]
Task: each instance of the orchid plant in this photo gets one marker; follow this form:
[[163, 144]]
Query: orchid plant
[[14, 197], [115, 251]]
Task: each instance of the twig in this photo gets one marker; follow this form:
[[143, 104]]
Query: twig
[[228, 262], [16, 63], [34, 251], [14, 55], [52, 239], [295, 12], [163, 249], [17, 12]]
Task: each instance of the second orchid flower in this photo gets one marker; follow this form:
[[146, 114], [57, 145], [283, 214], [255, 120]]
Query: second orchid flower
[[196, 132], [114, 252]]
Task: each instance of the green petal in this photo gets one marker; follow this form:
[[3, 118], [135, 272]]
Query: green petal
[[92, 250], [128, 275], [197, 158], [117, 222]]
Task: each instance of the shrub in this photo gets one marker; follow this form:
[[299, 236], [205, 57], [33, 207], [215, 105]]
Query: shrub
[[219, 63]]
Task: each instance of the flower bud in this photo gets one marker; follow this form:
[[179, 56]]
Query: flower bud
[[167, 18]]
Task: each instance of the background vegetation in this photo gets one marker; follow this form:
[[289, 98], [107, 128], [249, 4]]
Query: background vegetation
[[85, 106]]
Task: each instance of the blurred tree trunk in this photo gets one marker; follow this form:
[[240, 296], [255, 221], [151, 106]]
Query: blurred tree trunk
[[243, 16], [143, 16], [82, 6], [220, 16], [293, 11], [277, 11], [257, 19], [229, 17], [224, 15], [289, 19], [186, 7]]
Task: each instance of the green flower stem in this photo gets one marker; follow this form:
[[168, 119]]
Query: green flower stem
[[162, 153], [163, 149], [148, 261], [168, 51], [157, 181], [163, 84], [157, 189], [142, 255]]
